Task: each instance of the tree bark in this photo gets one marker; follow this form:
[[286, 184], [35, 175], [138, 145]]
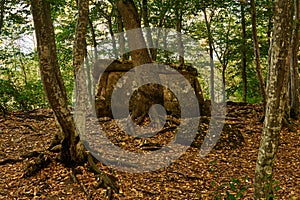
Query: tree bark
[[131, 21], [94, 40], [148, 30], [139, 55], [295, 98], [79, 54], [113, 38], [211, 54], [277, 91], [79, 48], [179, 29], [244, 54], [51, 77], [121, 37], [257, 54], [2, 4]]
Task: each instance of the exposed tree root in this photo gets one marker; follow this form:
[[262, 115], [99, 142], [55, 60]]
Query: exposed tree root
[[10, 161], [38, 163], [104, 179], [75, 180]]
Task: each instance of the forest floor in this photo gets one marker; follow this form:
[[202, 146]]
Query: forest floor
[[225, 172]]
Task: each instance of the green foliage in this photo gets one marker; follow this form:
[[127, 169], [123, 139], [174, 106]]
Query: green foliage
[[19, 66], [236, 190], [272, 185]]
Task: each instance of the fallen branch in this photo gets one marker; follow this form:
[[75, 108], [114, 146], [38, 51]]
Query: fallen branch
[[39, 163]]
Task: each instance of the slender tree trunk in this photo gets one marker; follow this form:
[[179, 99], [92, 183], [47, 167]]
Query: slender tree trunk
[[211, 54], [94, 39], [277, 91], [179, 32], [2, 7], [165, 42], [244, 54], [295, 99], [113, 38], [79, 54], [148, 30], [159, 32], [51, 77], [121, 37], [257, 54], [270, 23], [79, 48]]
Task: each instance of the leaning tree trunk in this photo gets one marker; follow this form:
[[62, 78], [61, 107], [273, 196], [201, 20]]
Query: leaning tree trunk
[[52, 79], [277, 91]]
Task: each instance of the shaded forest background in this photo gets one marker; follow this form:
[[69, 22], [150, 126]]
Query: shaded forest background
[[254, 46], [21, 87]]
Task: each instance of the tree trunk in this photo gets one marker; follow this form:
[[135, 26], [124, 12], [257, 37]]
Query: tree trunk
[[139, 54], [79, 54], [295, 98], [2, 7], [73, 152], [179, 34], [162, 17], [148, 30], [121, 37], [94, 40], [277, 91], [270, 22], [211, 55], [244, 58], [131, 21], [257, 54], [113, 38], [52, 79]]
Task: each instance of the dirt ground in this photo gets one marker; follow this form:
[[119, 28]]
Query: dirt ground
[[225, 172]]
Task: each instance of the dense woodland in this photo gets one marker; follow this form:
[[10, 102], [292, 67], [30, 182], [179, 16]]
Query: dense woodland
[[252, 45]]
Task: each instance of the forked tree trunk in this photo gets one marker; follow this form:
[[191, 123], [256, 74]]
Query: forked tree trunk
[[257, 55], [277, 91]]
